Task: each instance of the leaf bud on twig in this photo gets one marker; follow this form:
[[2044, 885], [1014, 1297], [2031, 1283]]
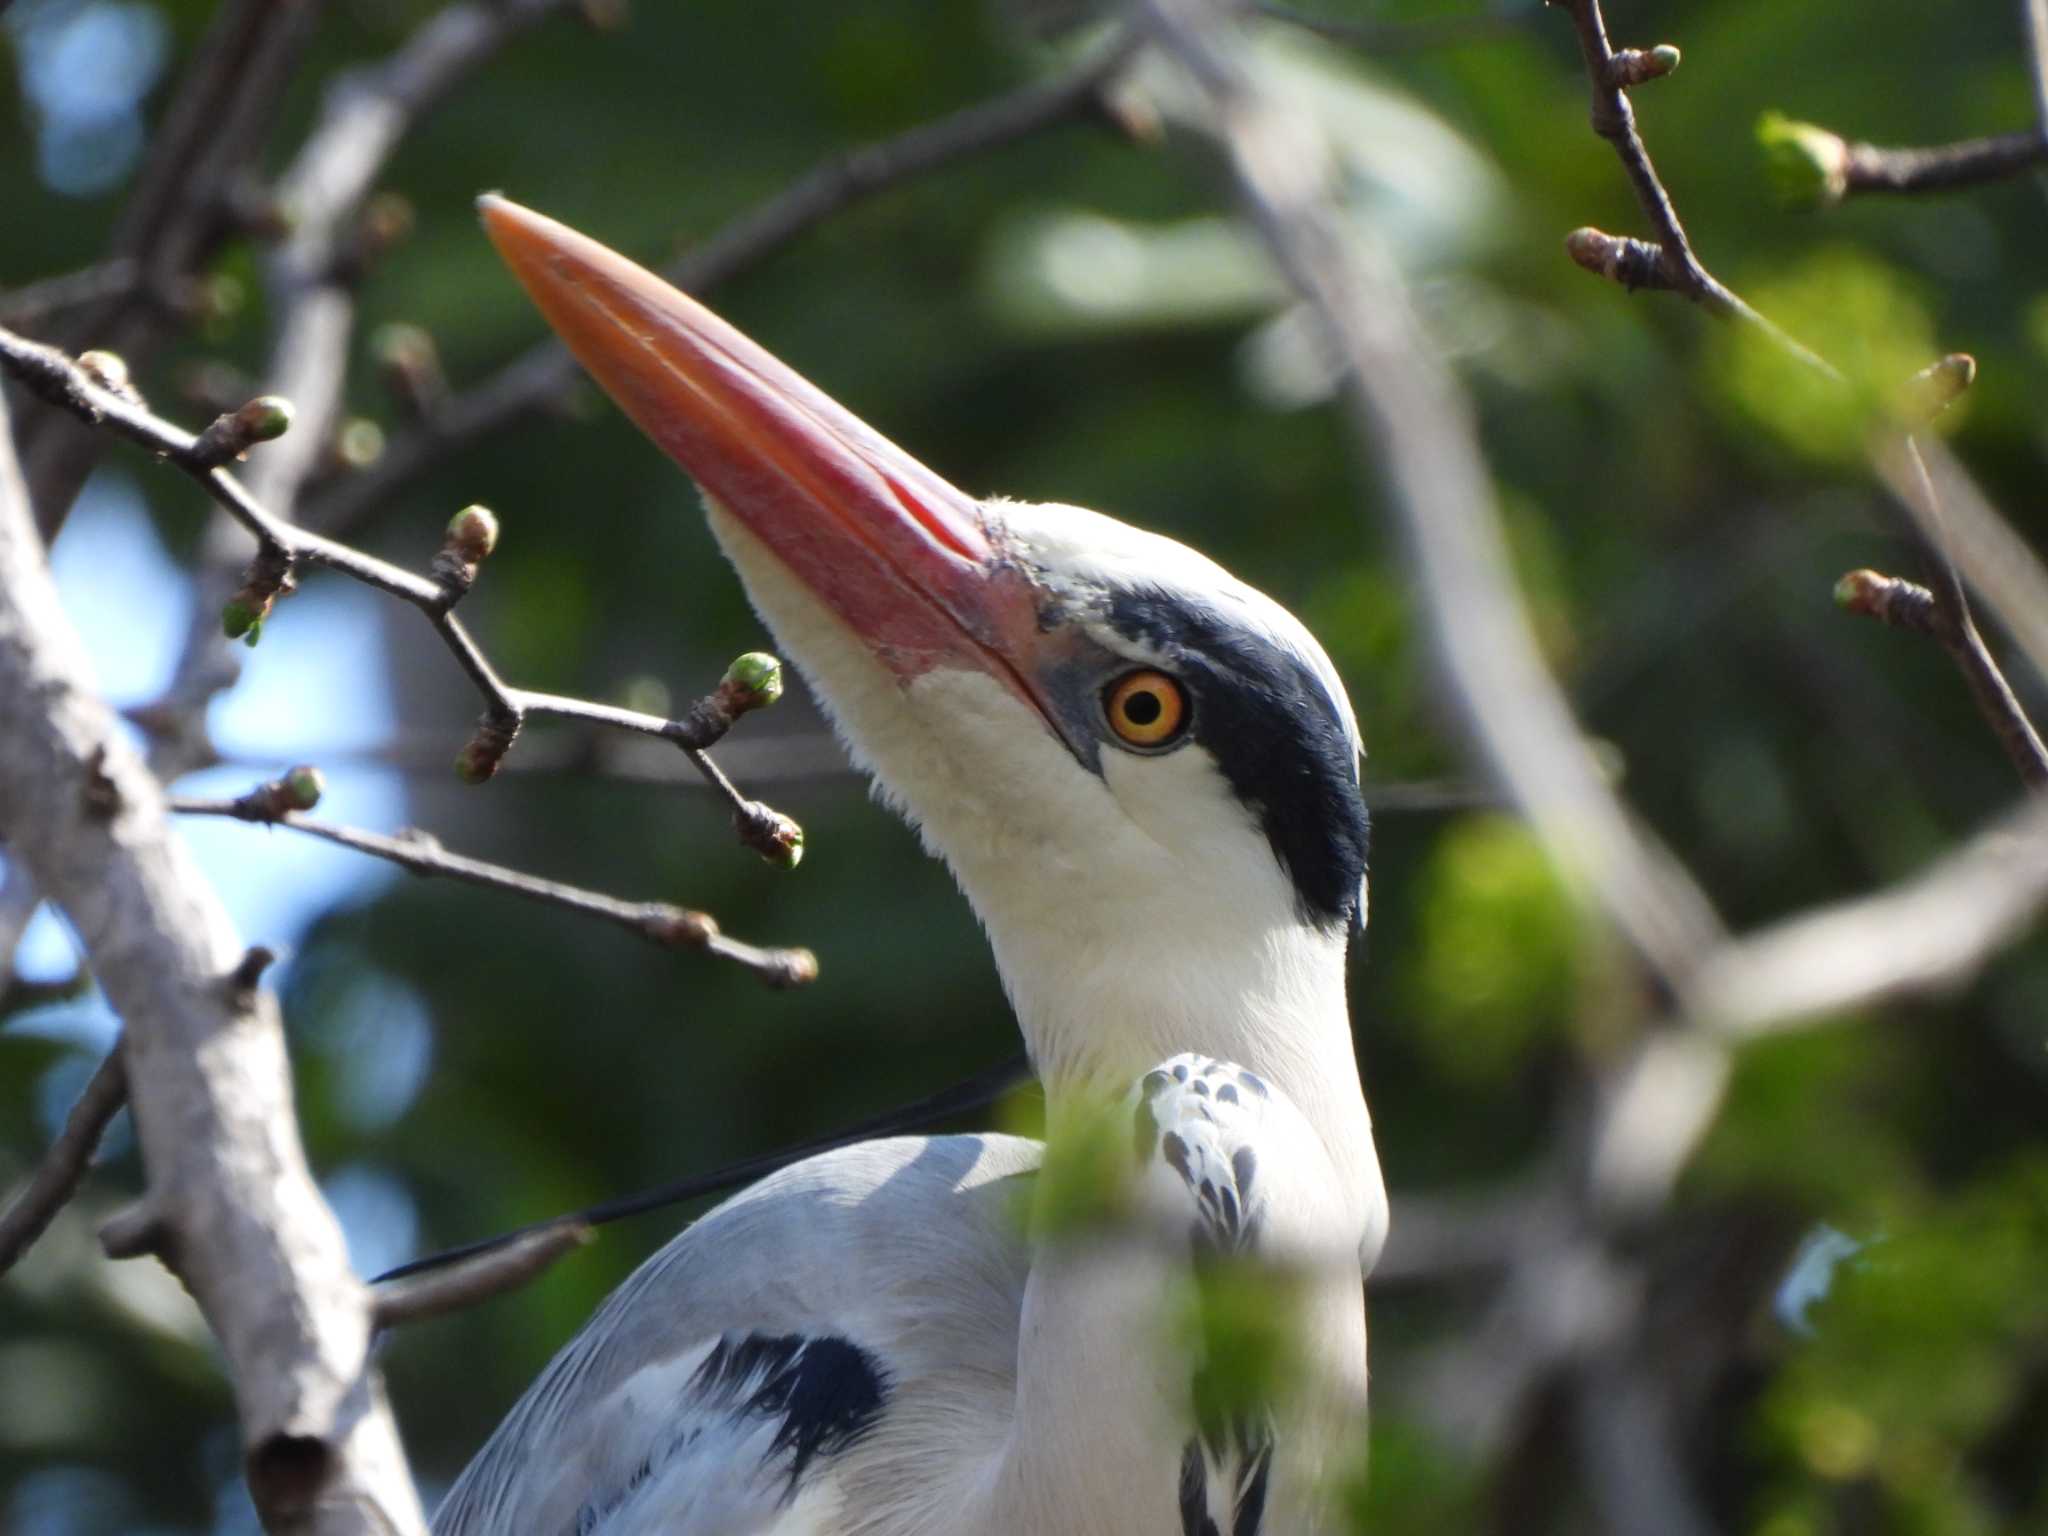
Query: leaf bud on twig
[[1622, 259], [1808, 165], [1633, 66], [793, 968], [302, 787], [233, 433], [753, 681], [679, 927], [1888, 599], [776, 837], [109, 370], [471, 536], [1936, 387], [482, 753], [268, 578]]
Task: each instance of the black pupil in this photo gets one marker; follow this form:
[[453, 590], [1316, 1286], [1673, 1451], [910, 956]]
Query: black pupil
[[1143, 707]]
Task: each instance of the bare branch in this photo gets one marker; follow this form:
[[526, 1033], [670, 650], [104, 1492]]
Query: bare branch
[[278, 804], [1903, 467], [63, 1166], [282, 549], [1614, 119], [1407, 406], [1926, 933], [478, 1277], [113, 278], [1671, 264], [1942, 167], [240, 1218], [1986, 549], [545, 373], [212, 133]]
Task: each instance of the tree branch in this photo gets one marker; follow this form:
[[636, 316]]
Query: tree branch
[[479, 1276], [212, 132], [112, 278], [546, 372], [1671, 264], [63, 1166], [1942, 167], [1407, 406], [283, 802], [230, 1200], [283, 549]]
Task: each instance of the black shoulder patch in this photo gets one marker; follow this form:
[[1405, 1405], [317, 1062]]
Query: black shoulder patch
[[826, 1393], [1273, 728]]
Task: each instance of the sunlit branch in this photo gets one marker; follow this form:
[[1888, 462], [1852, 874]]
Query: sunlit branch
[[660, 923], [1670, 263], [283, 549]]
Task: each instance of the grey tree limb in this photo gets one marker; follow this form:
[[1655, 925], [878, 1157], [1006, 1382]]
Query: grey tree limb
[[1407, 407], [231, 1204]]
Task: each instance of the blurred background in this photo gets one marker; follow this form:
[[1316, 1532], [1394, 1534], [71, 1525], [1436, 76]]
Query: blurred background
[[1844, 1311]]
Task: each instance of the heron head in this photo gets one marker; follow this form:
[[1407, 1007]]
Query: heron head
[[1143, 772]]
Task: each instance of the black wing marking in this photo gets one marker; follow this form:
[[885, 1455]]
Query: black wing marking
[[823, 1394]]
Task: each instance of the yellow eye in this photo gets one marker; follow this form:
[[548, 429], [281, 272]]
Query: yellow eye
[[1146, 709]]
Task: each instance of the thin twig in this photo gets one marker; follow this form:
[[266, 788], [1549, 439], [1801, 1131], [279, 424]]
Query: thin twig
[[659, 923], [546, 372], [476, 1278], [283, 548], [1955, 629], [112, 278], [1614, 119], [1940, 167], [1897, 456], [212, 133], [57, 1176], [310, 278]]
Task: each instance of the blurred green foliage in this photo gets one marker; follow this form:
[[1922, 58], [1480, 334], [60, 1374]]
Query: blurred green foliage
[[1680, 512]]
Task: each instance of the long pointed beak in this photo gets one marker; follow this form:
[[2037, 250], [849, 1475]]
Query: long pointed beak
[[915, 567]]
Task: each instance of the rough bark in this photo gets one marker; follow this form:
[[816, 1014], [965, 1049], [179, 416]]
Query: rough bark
[[231, 1206]]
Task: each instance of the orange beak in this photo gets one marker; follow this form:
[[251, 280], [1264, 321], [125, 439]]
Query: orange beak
[[916, 568]]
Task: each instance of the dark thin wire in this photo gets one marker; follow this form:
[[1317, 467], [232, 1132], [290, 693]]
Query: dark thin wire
[[976, 1092]]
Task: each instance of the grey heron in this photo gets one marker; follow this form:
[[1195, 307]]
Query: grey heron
[[1144, 775]]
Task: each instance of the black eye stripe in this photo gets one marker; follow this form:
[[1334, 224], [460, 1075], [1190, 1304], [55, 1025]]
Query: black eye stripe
[[1276, 733]]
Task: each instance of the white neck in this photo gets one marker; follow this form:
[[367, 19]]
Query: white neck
[[1096, 1014]]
